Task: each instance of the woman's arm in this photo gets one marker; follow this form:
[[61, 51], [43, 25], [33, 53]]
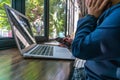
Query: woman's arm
[[98, 43]]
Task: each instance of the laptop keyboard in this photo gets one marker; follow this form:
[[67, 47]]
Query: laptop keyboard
[[43, 50]]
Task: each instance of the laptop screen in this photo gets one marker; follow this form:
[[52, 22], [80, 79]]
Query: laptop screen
[[21, 27]]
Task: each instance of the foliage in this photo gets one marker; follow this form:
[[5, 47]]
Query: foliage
[[34, 11], [35, 8], [57, 15], [3, 18]]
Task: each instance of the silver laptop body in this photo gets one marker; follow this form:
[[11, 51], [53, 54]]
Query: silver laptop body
[[26, 42]]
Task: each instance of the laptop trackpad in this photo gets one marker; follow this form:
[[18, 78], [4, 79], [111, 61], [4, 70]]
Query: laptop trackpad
[[61, 51]]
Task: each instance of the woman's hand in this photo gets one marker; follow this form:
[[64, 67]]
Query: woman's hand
[[68, 39], [97, 7], [66, 42]]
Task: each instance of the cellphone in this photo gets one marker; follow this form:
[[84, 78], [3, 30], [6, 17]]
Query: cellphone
[[63, 42]]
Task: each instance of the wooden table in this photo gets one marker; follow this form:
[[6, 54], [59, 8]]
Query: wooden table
[[14, 67]]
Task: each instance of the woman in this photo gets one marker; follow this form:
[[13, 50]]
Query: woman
[[97, 40]]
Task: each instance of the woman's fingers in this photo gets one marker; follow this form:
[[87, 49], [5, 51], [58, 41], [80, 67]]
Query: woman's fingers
[[93, 2], [104, 4], [98, 3], [96, 7], [88, 3]]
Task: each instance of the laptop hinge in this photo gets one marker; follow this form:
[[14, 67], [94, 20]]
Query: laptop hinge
[[28, 48]]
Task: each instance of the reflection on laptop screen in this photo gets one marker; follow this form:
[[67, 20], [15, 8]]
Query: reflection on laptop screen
[[21, 29]]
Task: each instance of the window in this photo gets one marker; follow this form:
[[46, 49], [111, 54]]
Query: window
[[5, 30], [75, 9], [72, 16], [6, 38], [52, 18], [48, 18], [35, 14], [57, 18]]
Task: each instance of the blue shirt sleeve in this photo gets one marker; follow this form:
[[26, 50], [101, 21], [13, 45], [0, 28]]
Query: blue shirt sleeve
[[97, 42]]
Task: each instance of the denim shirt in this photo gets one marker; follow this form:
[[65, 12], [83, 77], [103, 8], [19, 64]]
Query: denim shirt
[[98, 42]]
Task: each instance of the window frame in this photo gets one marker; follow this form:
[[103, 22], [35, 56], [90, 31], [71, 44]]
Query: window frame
[[6, 42], [40, 39], [44, 38]]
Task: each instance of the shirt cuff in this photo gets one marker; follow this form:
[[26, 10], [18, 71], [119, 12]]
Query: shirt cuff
[[91, 17]]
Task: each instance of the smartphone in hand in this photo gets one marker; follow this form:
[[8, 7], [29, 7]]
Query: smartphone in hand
[[62, 41]]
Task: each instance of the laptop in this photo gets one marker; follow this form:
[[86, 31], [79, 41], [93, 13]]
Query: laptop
[[26, 42]]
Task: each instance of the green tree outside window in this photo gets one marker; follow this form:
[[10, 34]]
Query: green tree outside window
[[5, 30], [57, 14], [35, 14]]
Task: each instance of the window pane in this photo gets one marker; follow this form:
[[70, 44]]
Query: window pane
[[35, 14], [57, 18], [5, 29]]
